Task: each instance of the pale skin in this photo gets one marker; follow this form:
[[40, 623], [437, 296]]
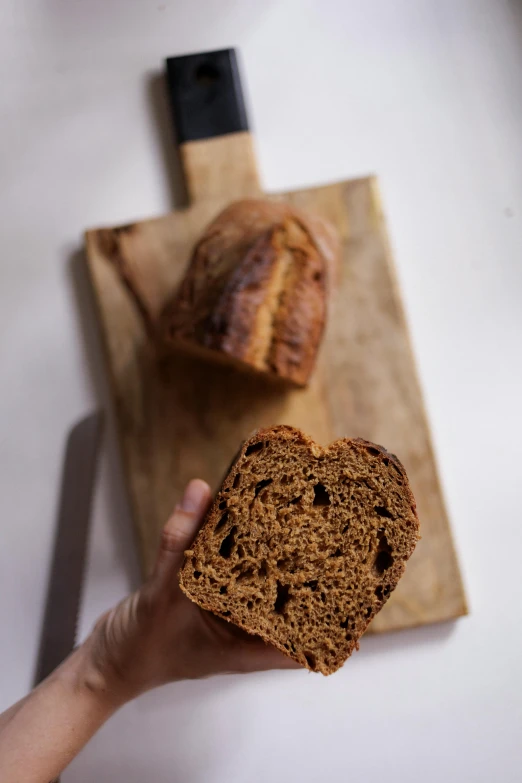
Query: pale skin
[[154, 636]]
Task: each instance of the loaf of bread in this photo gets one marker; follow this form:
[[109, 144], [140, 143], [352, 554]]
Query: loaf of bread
[[303, 545], [255, 292]]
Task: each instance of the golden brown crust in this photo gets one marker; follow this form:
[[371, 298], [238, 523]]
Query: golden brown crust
[[256, 290], [349, 552]]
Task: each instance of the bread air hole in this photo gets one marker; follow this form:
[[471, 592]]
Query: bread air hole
[[261, 485], [282, 598], [321, 496], [249, 572], [225, 550], [384, 557], [237, 479], [383, 561], [222, 522], [398, 471], [253, 448], [382, 592], [310, 659], [382, 512]]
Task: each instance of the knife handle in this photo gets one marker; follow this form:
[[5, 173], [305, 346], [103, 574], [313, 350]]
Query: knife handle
[[209, 114]]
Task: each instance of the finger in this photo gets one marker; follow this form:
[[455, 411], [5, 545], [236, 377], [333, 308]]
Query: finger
[[181, 528], [264, 657], [250, 653], [275, 659]]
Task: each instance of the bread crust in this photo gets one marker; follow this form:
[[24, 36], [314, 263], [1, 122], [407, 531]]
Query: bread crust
[[256, 290]]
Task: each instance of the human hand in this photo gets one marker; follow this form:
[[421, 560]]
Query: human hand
[[157, 635]]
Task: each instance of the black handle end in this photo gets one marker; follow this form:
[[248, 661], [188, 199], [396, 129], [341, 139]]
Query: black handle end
[[205, 95]]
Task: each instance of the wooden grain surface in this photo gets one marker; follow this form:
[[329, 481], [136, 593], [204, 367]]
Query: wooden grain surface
[[181, 417]]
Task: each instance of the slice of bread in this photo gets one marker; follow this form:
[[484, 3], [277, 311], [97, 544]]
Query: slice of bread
[[303, 545], [255, 292]]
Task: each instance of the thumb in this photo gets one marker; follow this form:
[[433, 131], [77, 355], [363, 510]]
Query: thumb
[[181, 528]]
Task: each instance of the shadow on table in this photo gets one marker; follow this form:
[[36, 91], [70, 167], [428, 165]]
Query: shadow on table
[[119, 512], [158, 99], [426, 635], [182, 733], [166, 736]]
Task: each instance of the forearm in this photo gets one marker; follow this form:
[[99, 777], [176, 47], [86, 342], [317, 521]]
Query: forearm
[[6, 716], [41, 734]]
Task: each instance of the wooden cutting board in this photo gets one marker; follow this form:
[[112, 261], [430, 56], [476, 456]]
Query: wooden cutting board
[[181, 417]]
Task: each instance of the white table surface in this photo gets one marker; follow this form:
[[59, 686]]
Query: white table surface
[[428, 94]]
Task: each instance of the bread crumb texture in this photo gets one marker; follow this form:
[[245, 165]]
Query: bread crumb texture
[[303, 545]]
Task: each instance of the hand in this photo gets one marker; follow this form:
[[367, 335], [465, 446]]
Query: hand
[[157, 635]]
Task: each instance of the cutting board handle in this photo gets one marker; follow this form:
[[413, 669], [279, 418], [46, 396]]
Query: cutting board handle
[[211, 125]]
